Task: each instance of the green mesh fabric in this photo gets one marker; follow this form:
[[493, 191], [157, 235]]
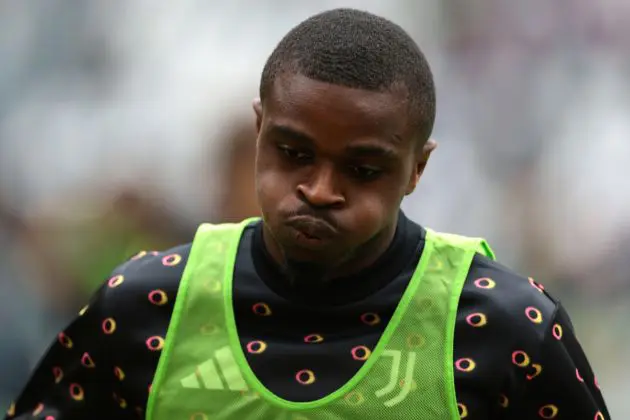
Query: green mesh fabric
[[203, 373]]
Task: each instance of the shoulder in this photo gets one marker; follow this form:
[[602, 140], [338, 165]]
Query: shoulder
[[150, 262], [146, 273], [136, 301], [503, 320], [517, 307]]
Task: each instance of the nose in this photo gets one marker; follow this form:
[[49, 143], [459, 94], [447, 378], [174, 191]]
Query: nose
[[320, 189]]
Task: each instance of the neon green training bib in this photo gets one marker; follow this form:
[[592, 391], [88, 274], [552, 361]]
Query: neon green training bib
[[203, 373]]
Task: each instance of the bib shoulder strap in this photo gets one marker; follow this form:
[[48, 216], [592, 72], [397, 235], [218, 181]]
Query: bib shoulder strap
[[207, 232], [479, 245], [214, 241]]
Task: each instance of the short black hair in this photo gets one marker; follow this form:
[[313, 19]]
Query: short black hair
[[357, 49]]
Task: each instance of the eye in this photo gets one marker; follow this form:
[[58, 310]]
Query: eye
[[294, 154], [366, 173]]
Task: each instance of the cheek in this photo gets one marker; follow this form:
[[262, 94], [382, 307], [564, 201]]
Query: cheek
[[271, 188], [369, 212]]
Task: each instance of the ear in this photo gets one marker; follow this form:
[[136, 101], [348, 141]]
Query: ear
[[422, 158], [257, 105]]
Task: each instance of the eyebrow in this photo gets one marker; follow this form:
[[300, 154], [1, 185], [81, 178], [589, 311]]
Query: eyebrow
[[372, 150], [353, 150], [290, 133]]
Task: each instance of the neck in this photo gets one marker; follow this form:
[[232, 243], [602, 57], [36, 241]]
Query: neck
[[379, 269]]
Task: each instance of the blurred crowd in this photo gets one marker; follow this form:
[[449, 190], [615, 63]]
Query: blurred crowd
[[126, 123]]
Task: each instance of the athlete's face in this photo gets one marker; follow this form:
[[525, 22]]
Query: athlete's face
[[332, 167]]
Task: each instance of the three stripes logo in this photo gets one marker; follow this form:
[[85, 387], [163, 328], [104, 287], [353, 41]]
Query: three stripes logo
[[220, 372]]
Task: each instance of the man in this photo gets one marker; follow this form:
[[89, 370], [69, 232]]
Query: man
[[335, 306]]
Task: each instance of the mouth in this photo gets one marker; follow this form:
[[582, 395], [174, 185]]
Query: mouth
[[311, 231]]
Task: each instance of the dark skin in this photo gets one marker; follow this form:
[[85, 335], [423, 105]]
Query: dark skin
[[332, 167]]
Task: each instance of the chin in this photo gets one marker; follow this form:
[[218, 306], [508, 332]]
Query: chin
[[296, 254], [294, 246]]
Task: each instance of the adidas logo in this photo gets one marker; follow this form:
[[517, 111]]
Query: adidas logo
[[220, 372]]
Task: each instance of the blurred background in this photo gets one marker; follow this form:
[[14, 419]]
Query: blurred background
[[125, 123]]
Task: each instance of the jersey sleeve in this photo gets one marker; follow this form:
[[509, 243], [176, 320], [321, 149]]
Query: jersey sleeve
[[101, 367], [74, 379], [566, 387], [524, 361]]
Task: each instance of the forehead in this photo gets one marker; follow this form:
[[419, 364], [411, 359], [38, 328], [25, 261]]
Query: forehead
[[327, 108]]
